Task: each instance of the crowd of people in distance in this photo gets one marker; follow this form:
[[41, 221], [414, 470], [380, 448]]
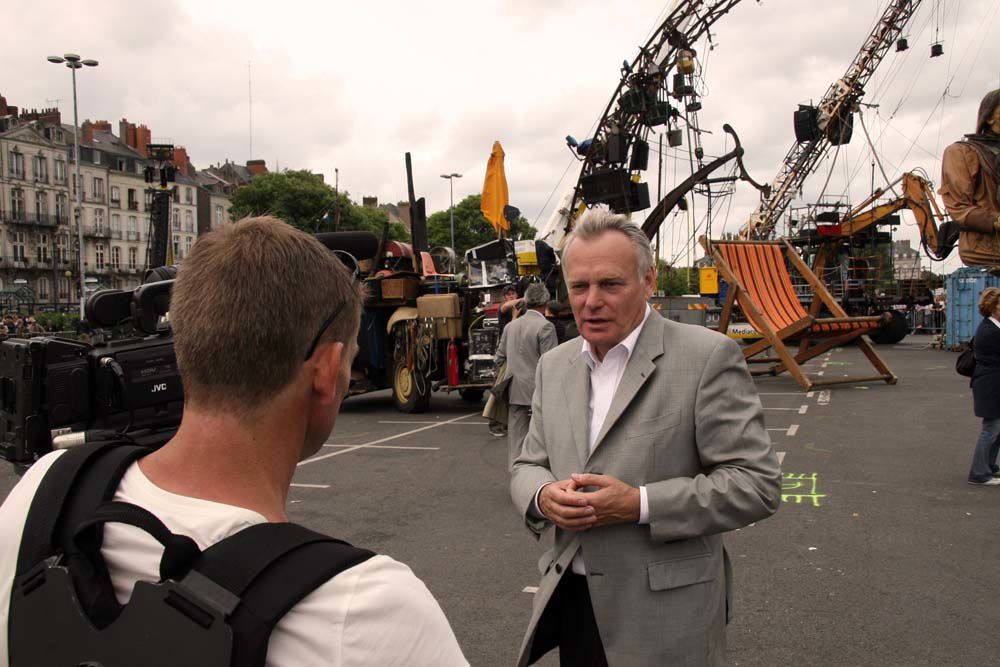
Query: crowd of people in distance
[[17, 325]]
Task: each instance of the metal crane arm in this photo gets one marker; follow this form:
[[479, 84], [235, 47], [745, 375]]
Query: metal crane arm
[[833, 119], [918, 196]]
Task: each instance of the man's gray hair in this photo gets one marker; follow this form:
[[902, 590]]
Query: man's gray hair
[[536, 296], [597, 222]]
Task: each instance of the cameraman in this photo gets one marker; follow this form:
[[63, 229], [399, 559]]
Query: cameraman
[[258, 400]]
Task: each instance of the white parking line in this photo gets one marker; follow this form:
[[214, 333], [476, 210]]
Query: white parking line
[[790, 431], [530, 589], [781, 457], [780, 393], [385, 447], [311, 486], [802, 409], [436, 422], [386, 439], [824, 397]]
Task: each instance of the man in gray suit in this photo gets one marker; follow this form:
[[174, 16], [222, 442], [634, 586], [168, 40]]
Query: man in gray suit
[[647, 442], [522, 343]]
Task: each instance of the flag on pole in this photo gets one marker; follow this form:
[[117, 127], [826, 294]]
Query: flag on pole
[[495, 195]]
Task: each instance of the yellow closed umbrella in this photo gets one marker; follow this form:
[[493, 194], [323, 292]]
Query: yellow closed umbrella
[[495, 195]]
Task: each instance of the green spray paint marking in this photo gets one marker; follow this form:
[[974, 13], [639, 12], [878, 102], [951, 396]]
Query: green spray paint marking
[[800, 488]]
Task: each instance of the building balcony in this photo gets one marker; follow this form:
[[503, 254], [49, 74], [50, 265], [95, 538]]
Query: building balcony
[[34, 219], [97, 232], [19, 175], [93, 198], [133, 206], [132, 236], [30, 263], [44, 179], [116, 234], [116, 203]]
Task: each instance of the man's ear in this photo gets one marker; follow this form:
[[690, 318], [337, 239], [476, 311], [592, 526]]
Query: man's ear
[[329, 359], [649, 281]]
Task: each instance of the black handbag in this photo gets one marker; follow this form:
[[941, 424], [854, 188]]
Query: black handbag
[[966, 362]]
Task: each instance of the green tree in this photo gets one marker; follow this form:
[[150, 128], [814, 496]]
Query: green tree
[[471, 227], [300, 198], [673, 280], [304, 200], [353, 216]]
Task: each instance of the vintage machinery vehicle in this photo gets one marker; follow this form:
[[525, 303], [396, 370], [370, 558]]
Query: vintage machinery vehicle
[[848, 250], [424, 329]]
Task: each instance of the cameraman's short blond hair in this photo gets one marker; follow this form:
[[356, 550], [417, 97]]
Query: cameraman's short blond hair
[[246, 304]]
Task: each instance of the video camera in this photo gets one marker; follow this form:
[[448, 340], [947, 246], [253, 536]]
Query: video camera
[[56, 392]]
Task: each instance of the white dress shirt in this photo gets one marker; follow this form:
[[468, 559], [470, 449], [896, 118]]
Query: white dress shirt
[[605, 376]]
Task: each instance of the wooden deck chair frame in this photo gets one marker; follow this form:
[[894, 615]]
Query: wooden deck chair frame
[[814, 335]]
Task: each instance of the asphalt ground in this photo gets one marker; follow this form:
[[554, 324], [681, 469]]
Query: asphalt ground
[[881, 554]]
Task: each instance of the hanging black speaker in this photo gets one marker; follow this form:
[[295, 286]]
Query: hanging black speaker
[[640, 156], [604, 187], [617, 148], [841, 128], [637, 199], [806, 126]]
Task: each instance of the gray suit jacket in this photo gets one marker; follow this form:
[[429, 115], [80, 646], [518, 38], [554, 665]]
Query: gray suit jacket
[[687, 424], [522, 342]]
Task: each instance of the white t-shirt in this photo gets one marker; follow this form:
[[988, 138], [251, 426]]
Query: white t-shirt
[[376, 613]]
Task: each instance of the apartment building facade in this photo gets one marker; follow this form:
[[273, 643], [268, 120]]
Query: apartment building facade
[[38, 187]]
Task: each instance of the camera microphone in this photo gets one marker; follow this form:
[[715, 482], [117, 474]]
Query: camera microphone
[[77, 438]]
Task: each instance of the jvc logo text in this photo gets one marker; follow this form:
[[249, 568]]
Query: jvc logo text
[[159, 387]]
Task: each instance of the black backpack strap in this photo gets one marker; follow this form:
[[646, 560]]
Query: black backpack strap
[[271, 567], [65, 497]]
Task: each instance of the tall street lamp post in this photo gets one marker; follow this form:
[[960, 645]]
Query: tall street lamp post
[[451, 188], [74, 62]]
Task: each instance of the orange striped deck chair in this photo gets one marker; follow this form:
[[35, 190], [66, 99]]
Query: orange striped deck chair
[[761, 286]]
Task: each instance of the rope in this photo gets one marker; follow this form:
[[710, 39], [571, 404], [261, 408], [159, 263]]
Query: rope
[[875, 154]]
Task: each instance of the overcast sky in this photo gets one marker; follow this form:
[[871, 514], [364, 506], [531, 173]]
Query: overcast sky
[[354, 85]]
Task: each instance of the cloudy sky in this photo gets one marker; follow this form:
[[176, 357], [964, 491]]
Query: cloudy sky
[[353, 85]]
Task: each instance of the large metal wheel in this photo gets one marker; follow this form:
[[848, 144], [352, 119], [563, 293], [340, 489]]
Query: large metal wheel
[[410, 392], [893, 332]]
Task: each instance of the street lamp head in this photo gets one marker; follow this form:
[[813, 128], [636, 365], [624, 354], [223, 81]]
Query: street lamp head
[[445, 176], [90, 63], [56, 59], [456, 176], [71, 57]]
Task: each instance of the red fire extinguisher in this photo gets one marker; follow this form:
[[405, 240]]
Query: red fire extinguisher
[[452, 363]]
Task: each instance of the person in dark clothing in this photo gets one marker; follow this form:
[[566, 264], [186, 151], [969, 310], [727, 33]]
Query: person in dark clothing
[[986, 390], [511, 307], [561, 317]]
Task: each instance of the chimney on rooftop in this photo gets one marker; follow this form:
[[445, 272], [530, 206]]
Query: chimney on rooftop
[[89, 127], [48, 117], [135, 136], [257, 167], [6, 109], [182, 161]]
